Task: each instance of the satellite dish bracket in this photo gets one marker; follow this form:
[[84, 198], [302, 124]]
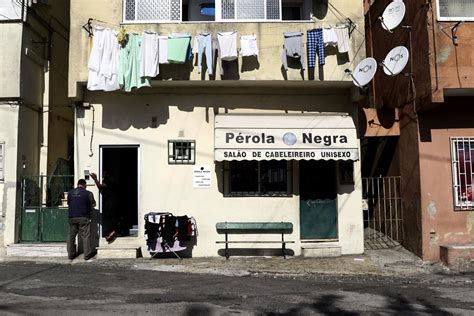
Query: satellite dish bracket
[[385, 25], [385, 66]]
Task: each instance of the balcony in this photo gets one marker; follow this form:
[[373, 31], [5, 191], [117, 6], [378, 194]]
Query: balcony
[[267, 21]]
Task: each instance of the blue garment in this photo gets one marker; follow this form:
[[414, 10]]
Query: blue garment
[[204, 41], [316, 45], [80, 202]]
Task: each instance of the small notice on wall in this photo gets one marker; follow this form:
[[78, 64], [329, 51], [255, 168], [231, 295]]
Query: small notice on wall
[[202, 177]]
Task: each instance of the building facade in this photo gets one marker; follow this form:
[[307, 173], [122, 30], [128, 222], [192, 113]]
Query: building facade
[[251, 142], [35, 117], [434, 147]]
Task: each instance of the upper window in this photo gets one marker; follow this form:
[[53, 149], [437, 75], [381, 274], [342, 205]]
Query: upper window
[[151, 11], [462, 155], [257, 178], [456, 10], [181, 152], [2, 151]]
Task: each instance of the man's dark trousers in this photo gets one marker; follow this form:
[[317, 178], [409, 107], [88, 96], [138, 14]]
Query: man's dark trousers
[[82, 225]]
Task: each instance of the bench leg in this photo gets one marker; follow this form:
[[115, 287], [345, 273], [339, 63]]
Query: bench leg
[[283, 250], [226, 248]]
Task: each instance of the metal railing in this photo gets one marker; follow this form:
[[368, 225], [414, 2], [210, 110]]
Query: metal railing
[[383, 212]]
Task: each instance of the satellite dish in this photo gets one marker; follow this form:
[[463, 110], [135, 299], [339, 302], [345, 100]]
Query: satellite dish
[[364, 72], [396, 60], [393, 15]]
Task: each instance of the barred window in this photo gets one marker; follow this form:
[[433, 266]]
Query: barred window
[[181, 152], [257, 178], [462, 154], [456, 10], [2, 153], [150, 11]]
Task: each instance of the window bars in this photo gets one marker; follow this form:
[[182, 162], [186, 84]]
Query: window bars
[[181, 152], [462, 154]]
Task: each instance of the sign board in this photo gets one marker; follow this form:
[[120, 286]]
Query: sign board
[[202, 177], [285, 137]]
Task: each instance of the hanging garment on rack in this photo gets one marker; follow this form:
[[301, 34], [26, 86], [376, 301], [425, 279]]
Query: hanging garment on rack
[[227, 47], [293, 47], [179, 47], [248, 45], [343, 43], [163, 49], [204, 45], [104, 61], [329, 37], [129, 66], [316, 45], [149, 60]]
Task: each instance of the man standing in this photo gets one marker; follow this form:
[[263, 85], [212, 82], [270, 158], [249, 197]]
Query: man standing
[[80, 203]]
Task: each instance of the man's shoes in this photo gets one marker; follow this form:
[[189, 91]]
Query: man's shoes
[[111, 237], [90, 257], [74, 256]]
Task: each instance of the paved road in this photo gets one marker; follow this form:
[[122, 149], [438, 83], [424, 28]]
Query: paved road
[[27, 288]]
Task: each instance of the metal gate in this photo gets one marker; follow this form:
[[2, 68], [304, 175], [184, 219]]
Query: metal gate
[[383, 212], [44, 214]]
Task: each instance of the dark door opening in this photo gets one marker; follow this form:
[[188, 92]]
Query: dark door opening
[[318, 199], [119, 198]]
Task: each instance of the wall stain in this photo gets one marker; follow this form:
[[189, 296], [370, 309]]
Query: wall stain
[[431, 208], [434, 237], [470, 222], [443, 55]]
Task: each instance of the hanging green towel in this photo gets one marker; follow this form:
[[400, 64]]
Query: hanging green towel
[[129, 64], [178, 49]]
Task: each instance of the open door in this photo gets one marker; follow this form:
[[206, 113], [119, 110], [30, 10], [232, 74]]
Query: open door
[[119, 199], [318, 200]]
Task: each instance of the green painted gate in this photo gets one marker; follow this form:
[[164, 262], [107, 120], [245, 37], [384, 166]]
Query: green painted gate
[[318, 200], [44, 216]]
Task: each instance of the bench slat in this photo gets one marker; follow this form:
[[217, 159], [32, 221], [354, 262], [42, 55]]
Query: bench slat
[[254, 226]]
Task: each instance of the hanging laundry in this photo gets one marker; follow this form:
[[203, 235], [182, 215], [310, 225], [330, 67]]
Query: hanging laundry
[[316, 45], [248, 45], [204, 45], [149, 55], [129, 66], [329, 36], [179, 47], [343, 43], [103, 61], [163, 49], [227, 47], [292, 47]]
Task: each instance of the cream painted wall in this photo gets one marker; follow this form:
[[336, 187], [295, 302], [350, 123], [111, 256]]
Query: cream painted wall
[[125, 119], [9, 135], [10, 58], [269, 38]]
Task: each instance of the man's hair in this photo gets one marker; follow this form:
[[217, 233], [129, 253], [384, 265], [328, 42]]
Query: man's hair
[[82, 182]]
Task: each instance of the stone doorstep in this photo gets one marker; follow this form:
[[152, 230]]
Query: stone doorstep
[[320, 250], [107, 252], [37, 250], [452, 255]]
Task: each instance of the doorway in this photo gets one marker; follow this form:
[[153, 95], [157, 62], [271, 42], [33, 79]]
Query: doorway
[[318, 200], [119, 198]]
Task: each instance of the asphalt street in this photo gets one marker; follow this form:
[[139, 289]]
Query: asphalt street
[[29, 288]]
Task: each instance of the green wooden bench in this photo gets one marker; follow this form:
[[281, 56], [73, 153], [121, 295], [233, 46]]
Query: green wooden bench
[[228, 228]]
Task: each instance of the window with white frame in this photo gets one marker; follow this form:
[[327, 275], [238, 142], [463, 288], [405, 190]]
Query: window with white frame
[[152, 11], [2, 155], [456, 10], [462, 155]]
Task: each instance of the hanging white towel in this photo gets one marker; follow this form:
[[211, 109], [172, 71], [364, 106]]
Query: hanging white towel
[[342, 34], [329, 36], [149, 55], [248, 45], [227, 45], [103, 61], [163, 49]]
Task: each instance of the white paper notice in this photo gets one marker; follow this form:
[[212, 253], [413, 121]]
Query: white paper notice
[[202, 177]]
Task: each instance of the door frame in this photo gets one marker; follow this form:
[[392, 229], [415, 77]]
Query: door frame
[[101, 156]]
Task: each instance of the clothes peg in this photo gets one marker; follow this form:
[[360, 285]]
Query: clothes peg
[[88, 27]]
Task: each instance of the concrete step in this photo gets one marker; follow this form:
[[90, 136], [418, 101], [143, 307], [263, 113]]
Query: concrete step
[[457, 255], [37, 250], [320, 250], [118, 252]]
